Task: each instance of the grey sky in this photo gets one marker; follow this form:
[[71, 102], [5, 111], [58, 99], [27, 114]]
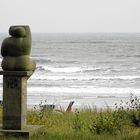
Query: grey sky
[[71, 15]]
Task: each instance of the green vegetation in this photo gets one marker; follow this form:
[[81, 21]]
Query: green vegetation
[[122, 123]]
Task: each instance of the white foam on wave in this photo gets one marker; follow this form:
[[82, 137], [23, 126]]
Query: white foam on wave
[[68, 69], [83, 78], [65, 69], [61, 69], [84, 91]]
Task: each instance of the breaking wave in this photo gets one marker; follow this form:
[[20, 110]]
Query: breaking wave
[[84, 78], [86, 91], [70, 69]]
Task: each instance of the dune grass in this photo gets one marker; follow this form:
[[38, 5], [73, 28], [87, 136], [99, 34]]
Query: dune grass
[[122, 123]]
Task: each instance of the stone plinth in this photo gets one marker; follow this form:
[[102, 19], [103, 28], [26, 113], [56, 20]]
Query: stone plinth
[[15, 99], [15, 103], [24, 133]]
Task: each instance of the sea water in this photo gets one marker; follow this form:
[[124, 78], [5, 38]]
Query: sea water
[[91, 69]]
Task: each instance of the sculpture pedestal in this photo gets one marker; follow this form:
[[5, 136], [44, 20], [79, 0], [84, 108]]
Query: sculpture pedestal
[[24, 133], [15, 103]]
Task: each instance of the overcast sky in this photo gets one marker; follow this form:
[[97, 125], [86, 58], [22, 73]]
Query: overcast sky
[[71, 15]]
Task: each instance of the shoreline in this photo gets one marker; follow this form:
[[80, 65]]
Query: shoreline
[[91, 103]]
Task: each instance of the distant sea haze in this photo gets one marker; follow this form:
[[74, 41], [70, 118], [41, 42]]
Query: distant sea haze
[[92, 69]]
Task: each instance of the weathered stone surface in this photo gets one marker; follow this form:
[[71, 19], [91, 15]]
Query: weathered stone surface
[[15, 105], [24, 133], [16, 73], [15, 99], [18, 67], [16, 50]]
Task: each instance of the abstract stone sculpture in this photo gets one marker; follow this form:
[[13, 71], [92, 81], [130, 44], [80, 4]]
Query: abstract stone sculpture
[[16, 50], [17, 68]]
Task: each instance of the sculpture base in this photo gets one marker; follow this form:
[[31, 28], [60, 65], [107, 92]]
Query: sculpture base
[[24, 133], [15, 99]]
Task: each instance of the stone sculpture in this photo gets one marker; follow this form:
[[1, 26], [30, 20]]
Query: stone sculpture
[[16, 50], [17, 68]]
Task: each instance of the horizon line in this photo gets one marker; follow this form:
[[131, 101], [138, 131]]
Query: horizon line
[[36, 32]]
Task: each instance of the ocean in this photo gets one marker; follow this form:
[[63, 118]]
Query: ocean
[[91, 69]]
